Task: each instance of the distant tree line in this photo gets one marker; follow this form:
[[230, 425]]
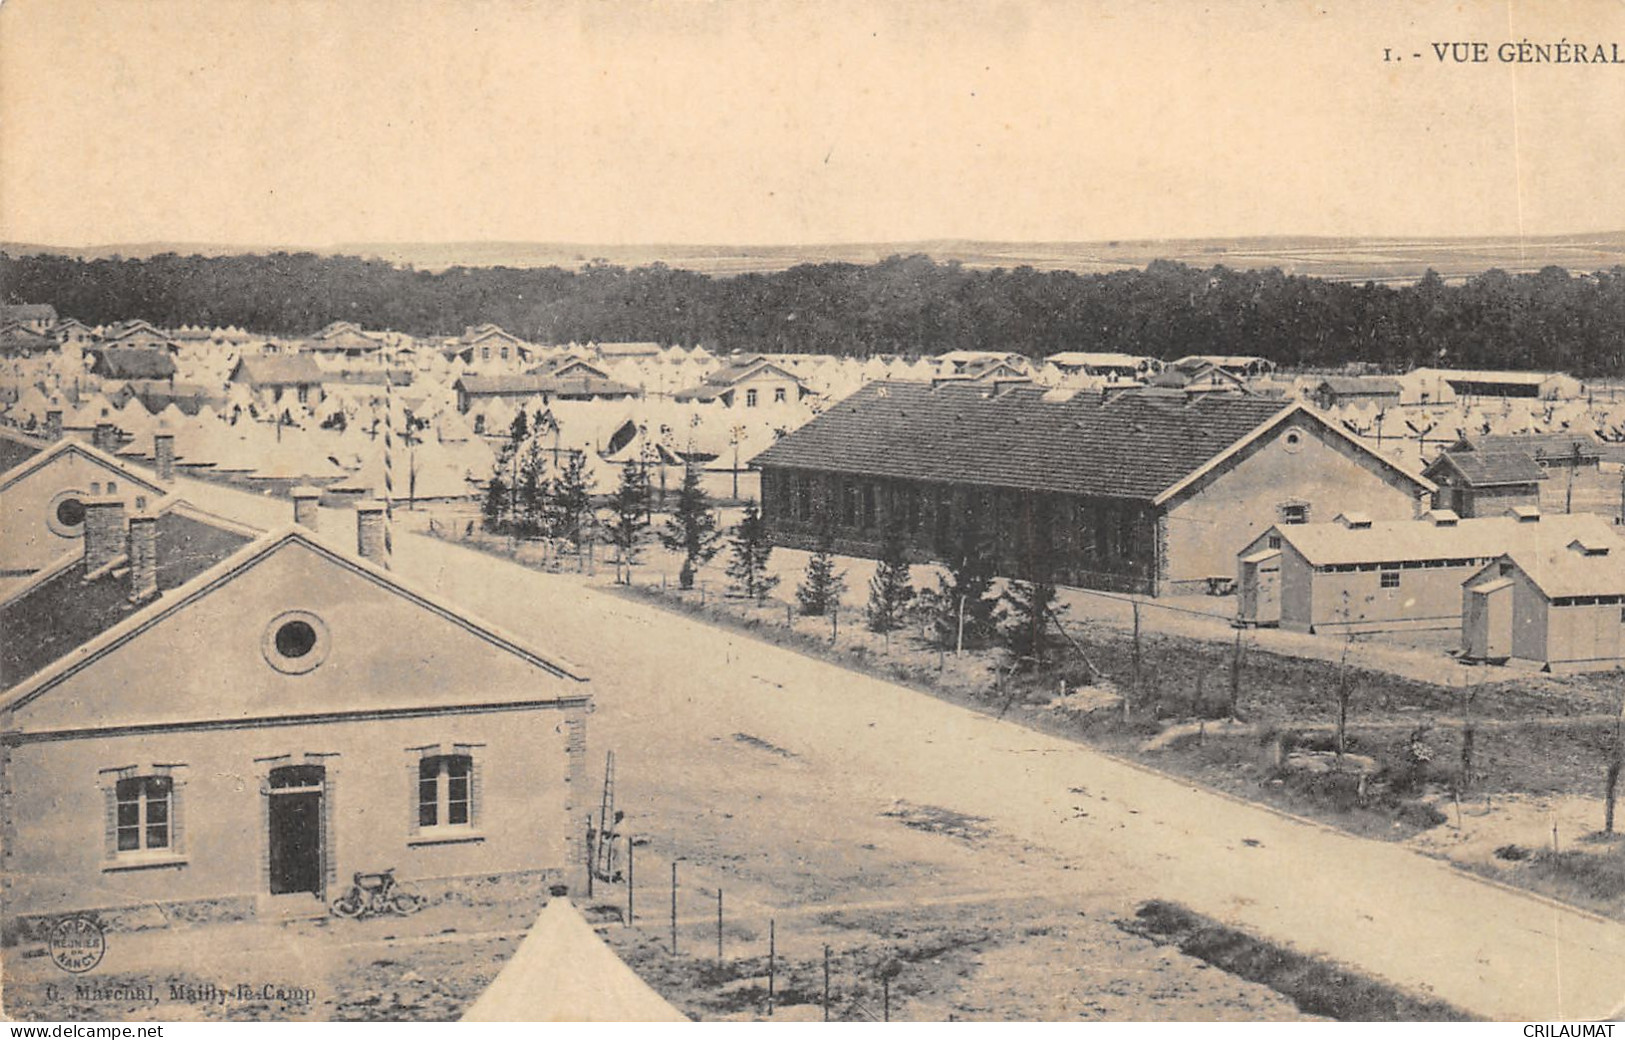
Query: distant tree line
[[907, 305]]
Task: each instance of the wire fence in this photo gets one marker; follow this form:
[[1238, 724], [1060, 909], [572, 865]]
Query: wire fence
[[729, 940]]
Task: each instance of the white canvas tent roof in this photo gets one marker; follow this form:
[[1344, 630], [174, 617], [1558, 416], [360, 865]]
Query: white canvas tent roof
[[563, 972]]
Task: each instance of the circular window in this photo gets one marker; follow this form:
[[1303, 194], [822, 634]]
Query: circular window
[[66, 514], [295, 639], [1293, 440], [295, 642]]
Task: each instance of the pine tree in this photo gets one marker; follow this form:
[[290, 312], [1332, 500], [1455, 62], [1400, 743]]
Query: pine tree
[[626, 521], [534, 491], [495, 508], [1031, 602], [572, 498], [692, 528], [970, 612], [821, 586], [751, 549], [1030, 596], [890, 591]]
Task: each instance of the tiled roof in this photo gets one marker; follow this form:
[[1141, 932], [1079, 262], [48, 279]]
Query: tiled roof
[[1538, 445], [62, 612], [1558, 570], [15, 449], [513, 386], [278, 370], [1398, 541], [1131, 446], [627, 349], [20, 339], [567, 366], [1490, 468], [133, 363], [1096, 359], [1354, 385], [156, 395], [27, 312]]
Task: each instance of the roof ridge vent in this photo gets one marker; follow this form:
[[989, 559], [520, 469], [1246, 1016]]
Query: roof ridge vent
[[1442, 517], [1354, 521], [1587, 546]]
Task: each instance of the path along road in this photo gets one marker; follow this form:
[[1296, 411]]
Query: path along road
[[666, 685]]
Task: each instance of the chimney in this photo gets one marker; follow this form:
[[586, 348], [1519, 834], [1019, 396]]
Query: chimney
[[163, 454], [53, 424], [369, 531], [143, 557], [305, 502], [104, 531], [106, 437]]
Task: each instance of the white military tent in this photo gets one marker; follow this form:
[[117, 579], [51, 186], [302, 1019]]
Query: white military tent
[[563, 972]]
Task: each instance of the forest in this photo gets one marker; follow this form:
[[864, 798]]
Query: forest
[[908, 305]]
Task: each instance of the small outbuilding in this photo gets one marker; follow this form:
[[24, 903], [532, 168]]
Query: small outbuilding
[[1559, 604], [1360, 575], [1485, 483]]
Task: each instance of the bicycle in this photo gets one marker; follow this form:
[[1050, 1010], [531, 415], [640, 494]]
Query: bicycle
[[376, 893]]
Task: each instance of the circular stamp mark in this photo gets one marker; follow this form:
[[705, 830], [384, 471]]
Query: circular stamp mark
[[77, 944]]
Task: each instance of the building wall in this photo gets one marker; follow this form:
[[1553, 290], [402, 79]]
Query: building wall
[[27, 539], [1092, 542], [766, 384], [1583, 635], [1297, 590], [57, 855], [1427, 598], [1490, 501], [1245, 497], [1529, 619], [427, 659]]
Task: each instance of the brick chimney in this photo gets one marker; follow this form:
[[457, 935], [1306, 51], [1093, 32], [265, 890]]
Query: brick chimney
[[104, 531], [369, 531], [305, 502], [163, 454], [53, 424], [105, 437], [143, 557]]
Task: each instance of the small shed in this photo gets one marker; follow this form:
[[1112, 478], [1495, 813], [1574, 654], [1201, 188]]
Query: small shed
[[1339, 391], [1484, 483], [1559, 605]]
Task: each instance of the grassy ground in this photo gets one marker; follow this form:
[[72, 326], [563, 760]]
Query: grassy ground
[[1317, 987]]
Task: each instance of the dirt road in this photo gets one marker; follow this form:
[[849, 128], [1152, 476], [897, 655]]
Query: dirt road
[[667, 687], [664, 682]]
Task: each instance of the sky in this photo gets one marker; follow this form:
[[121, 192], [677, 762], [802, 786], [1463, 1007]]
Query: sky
[[295, 122]]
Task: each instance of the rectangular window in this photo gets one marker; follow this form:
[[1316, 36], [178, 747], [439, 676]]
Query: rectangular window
[[779, 395], [849, 504], [804, 496], [868, 505], [750, 398], [1275, 541], [1294, 514], [504, 353], [444, 791], [1390, 579], [143, 812]]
